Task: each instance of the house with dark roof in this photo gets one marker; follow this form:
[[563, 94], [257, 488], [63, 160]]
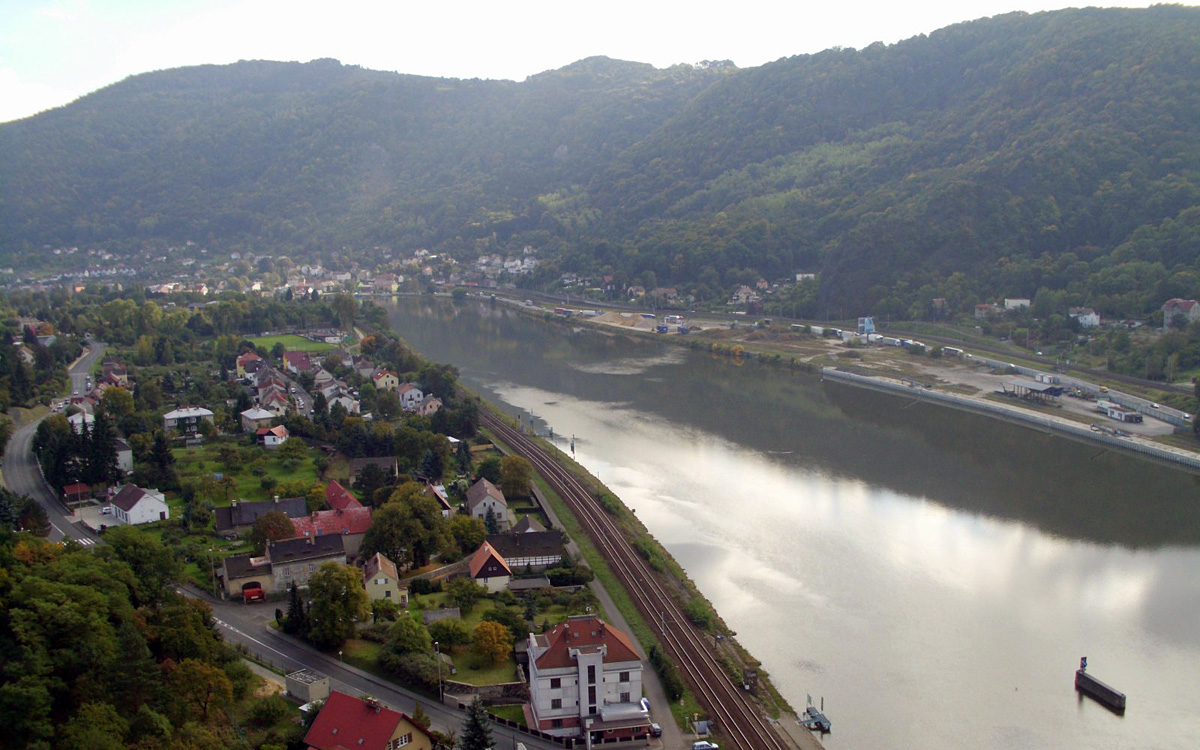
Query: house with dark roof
[[338, 497], [489, 568], [349, 723], [350, 523], [245, 359], [285, 562], [484, 497], [133, 505], [586, 675], [537, 550], [527, 524], [239, 517]]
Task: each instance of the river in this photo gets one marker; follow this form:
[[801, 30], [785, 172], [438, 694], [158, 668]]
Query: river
[[934, 576]]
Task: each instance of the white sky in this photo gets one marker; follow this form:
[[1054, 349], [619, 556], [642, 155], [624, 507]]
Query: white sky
[[54, 51]]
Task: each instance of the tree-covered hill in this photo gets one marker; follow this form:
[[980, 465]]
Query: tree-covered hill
[[1056, 151]]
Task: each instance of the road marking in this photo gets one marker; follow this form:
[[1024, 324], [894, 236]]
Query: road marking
[[85, 541], [255, 640]]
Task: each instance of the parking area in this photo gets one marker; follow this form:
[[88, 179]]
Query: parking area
[[94, 517]]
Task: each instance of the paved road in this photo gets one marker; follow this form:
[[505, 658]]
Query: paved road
[[21, 472], [246, 624]]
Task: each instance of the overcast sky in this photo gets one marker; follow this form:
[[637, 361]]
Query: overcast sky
[[54, 51]]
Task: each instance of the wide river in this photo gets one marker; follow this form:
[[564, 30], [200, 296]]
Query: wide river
[[933, 575]]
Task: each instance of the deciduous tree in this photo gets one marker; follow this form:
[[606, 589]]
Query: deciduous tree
[[492, 641], [338, 601]]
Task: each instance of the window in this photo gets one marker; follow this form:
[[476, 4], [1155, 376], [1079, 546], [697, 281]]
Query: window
[[625, 697], [387, 594], [312, 567], [404, 740], [592, 695], [556, 703], [592, 673], [556, 723], [555, 682], [624, 677]]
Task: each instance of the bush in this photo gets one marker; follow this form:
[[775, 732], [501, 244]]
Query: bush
[[672, 682], [268, 482], [269, 710], [575, 576], [418, 586], [377, 633]]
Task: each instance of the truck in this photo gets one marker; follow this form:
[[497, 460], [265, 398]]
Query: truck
[[673, 320], [661, 329]]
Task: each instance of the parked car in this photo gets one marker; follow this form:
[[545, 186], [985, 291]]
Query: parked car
[[106, 510], [655, 729], [705, 745]]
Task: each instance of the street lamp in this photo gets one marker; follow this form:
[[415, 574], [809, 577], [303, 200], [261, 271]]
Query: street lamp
[[441, 689], [212, 564]]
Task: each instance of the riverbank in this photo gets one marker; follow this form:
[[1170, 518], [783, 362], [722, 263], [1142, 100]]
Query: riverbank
[[950, 381]]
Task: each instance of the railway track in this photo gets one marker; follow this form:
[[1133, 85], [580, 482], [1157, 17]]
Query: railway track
[[738, 718]]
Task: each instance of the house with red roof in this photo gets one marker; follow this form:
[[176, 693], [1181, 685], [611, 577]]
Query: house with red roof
[[349, 723], [351, 523], [338, 497], [489, 568], [385, 380], [298, 362], [244, 360], [410, 395], [586, 675], [1185, 310], [272, 437]]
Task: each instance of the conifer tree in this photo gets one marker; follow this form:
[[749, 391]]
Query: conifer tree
[[477, 732]]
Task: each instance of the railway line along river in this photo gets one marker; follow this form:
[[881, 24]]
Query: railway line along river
[[934, 575]]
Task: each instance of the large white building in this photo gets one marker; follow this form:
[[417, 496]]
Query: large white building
[[585, 675], [134, 505]]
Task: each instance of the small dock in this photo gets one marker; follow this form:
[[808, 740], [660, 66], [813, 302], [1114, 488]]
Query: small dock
[[1105, 694], [815, 720]]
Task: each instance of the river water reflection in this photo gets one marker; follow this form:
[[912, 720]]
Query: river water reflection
[[935, 576]]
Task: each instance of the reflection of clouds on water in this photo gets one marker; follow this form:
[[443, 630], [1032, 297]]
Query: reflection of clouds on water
[[632, 365], [808, 665]]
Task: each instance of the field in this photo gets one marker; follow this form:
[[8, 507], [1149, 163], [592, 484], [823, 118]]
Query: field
[[292, 342]]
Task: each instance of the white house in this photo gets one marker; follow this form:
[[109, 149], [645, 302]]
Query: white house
[[124, 456], [187, 419], [1087, 317], [256, 417], [79, 419], [586, 675], [273, 437], [134, 505], [489, 569], [1015, 303], [484, 497], [410, 396]]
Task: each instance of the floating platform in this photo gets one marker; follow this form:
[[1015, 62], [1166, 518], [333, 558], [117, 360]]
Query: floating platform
[[814, 719], [1096, 689]]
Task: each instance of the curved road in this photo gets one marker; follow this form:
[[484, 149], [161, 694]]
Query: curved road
[[22, 474]]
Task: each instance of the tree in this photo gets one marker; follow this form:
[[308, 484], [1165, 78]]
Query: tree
[[95, 725], [464, 592], [515, 475], [202, 687], [408, 529], [489, 469], [296, 621], [371, 478], [431, 465], [100, 452], [384, 610], [462, 456], [270, 527], [154, 564], [407, 636], [450, 631], [32, 517], [117, 403], [490, 522], [510, 619], [468, 533], [492, 641], [338, 601], [476, 732], [161, 470], [293, 449]]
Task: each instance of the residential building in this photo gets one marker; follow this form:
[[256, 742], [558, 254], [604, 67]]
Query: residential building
[[382, 581], [80, 421], [489, 569], [186, 420], [124, 456], [272, 437], [1015, 303], [586, 675], [245, 359], [1087, 317], [438, 493], [387, 464], [285, 562], [349, 723], [385, 380], [1186, 311], [133, 505], [428, 406], [350, 523], [297, 362], [256, 417], [338, 497], [239, 517], [528, 524], [482, 497], [410, 395], [536, 550]]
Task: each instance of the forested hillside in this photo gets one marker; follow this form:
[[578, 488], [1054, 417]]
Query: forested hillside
[[1057, 151]]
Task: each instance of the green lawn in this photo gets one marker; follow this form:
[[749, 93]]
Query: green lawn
[[474, 670], [515, 713], [364, 655], [292, 342], [201, 462]]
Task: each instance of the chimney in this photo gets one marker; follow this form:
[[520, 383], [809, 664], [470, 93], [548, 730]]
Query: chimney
[[234, 503], [277, 499]]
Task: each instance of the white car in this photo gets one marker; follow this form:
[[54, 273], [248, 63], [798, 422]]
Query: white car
[[705, 745]]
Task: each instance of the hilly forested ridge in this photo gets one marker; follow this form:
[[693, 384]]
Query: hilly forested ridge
[[1057, 152]]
